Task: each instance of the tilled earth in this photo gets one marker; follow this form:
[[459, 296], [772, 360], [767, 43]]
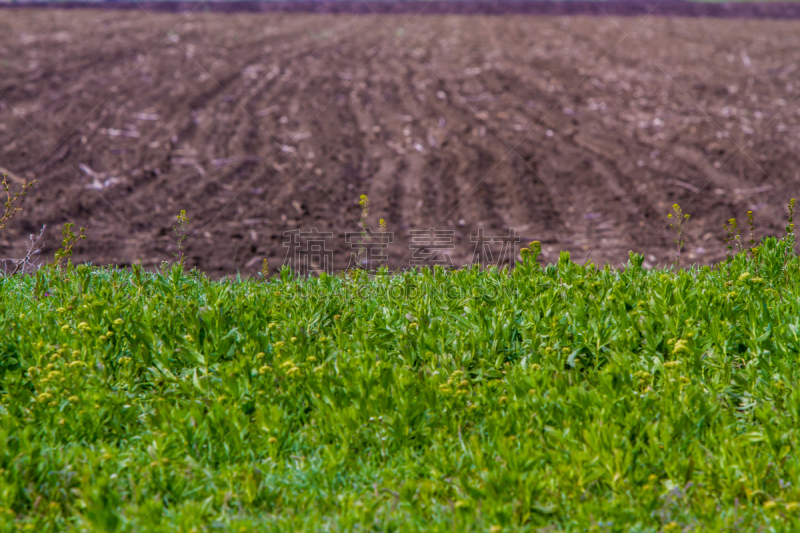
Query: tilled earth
[[580, 132]]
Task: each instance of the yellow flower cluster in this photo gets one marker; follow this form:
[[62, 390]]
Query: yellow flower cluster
[[681, 346], [457, 381]]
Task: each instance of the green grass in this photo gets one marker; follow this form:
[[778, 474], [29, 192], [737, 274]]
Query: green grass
[[564, 396]]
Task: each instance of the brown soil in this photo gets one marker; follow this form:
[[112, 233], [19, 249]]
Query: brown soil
[[684, 8], [580, 132]]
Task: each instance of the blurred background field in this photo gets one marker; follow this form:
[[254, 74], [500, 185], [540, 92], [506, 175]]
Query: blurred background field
[[580, 132]]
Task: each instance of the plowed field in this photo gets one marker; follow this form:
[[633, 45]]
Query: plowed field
[[579, 132]]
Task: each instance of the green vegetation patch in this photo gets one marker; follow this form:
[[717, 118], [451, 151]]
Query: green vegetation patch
[[563, 396]]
